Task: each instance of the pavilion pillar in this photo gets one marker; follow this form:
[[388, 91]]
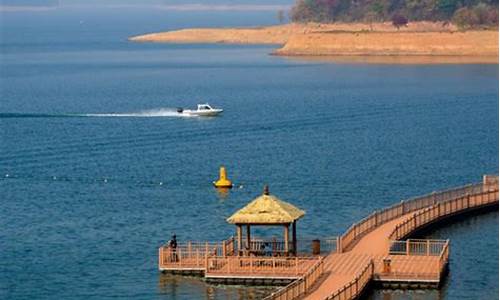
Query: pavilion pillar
[[294, 237], [248, 237], [238, 233], [286, 238]]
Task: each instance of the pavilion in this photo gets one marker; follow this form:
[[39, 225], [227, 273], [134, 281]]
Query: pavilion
[[267, 210]]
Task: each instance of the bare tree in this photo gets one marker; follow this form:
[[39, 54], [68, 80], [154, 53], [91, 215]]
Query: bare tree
[[281, 16]]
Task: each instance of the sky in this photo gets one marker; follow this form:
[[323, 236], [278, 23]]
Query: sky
[[193, 4]]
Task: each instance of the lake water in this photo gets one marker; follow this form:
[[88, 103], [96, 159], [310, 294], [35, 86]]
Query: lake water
[[96, 172]]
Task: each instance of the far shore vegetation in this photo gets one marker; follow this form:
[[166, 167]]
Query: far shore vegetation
[[465, 14]]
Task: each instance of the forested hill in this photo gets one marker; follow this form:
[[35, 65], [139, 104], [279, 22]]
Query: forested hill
[[464, 13]]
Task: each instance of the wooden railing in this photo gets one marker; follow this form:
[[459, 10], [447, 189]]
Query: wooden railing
[[270, 247], [442, 209], [409, 267], [377, 218], [426, 259], [443, 257], [327, 245], [185, 256], [257, 266], [192, 255], [417, 247], [301, 286], [353, 289]]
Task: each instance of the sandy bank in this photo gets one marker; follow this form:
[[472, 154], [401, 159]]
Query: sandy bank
[[349, 39], [279, 34], [258, 35], [470, 43]]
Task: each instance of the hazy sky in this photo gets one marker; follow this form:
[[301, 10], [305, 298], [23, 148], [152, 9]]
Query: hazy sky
[[52, 3]]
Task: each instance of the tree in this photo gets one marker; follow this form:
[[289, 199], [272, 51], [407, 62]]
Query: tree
[[378, 8], [302, 12], [465, 18], [473, 13], [493, 17], [481, 11], [371, 17], [281, 16], [399, 20], [447, 7]]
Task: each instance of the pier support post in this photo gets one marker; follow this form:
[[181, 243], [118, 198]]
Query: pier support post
[[249, 246], [238, 233], [296, 265], [286, 238], [294, 237], [387, 265]]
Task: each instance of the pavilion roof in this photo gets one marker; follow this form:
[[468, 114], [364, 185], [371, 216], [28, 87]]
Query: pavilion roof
[[266, 209]]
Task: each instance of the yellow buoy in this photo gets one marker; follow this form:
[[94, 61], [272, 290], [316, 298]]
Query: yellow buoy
[[223, 182]]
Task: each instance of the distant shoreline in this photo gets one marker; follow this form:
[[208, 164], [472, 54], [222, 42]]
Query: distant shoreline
[[421, 39]]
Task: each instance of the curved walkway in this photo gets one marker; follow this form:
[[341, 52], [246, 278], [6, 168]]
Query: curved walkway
[[372, 249], [342, 268]]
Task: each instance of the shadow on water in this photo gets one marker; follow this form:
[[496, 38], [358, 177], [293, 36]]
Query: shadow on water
[[396, 60], [185, 287]]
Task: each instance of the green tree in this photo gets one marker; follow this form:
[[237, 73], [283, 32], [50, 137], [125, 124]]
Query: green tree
[[465, 18], [379, 8], [447, 7], [481, 11]]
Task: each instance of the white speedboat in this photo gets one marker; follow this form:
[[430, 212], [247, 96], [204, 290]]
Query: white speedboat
[[203, 110]]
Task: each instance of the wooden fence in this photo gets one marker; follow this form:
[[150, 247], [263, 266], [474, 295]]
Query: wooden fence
[[442, 209], [417, 247], [425, 260], [443, 257], [377, 218], [301, 286], [259, 266], [192, 255], [353, 289]]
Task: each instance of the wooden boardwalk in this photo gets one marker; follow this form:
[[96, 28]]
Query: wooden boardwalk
[[372, 250], [342, 268]]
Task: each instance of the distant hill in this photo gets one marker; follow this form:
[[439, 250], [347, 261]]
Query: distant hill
[[464, 13]]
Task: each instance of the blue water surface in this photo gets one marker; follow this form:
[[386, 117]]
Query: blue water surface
[[96, 171]]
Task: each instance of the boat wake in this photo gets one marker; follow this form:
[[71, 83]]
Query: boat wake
[[152, 113]]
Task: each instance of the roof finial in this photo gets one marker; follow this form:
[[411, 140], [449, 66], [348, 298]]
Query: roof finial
[[266, 190]]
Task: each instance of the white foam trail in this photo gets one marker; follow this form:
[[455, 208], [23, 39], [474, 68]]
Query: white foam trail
[[153, 113]]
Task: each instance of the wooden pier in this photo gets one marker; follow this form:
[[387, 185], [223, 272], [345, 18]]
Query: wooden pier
[[372, 251]]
